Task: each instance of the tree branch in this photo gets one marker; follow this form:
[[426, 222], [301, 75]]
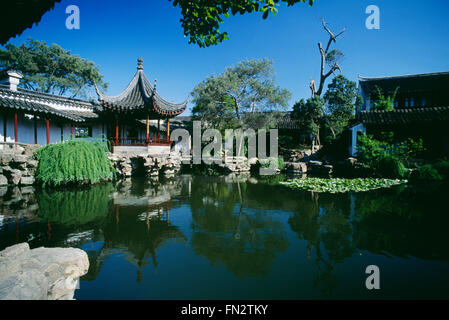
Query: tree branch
[[323, 53]]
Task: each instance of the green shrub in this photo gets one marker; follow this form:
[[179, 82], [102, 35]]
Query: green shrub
[[76, 161], [338, 185], [442, 166], [272, 162], [281, 164], [390, 167], [427, 173], [369, 150]]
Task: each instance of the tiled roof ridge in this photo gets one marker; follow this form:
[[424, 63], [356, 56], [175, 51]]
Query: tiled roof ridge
[[46, 97], [405, 110], [148, 94], [429, 74]]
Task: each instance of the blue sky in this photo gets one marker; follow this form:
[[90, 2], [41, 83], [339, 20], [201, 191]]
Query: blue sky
[[413, 38]]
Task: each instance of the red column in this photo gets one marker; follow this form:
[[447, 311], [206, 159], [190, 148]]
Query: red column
[[116, 132], [15, 128], [71, 132], [168, 130], [48, 130], [35, 129], [148, 129]]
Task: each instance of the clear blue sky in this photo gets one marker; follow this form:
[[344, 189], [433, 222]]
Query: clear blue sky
[[413, 38]]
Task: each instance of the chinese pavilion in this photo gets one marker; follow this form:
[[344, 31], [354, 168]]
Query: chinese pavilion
[[139, 101]]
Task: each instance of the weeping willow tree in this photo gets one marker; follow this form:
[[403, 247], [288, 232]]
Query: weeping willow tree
[[73, 162]]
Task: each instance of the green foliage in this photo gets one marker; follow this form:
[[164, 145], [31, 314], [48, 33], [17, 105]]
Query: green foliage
[[309, 114], [244, 95], [442, 166], [338, 185], [383, 102], [390, 167], [333, 57], [75, 207], [281, 164], [51, 69], [407, 149], [370, 150], [433, 172], [201, 19], [76, 161], [341, 99], [427, 173], [271, 163]]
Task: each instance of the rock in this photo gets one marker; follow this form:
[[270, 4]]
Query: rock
[[351, 161], [15, 250], [296, 167], [32, 164], [42, 273], [3, 180], [252, 161], [328, 169], [315, 163], [27, 181], [5, 158], [20, 158]]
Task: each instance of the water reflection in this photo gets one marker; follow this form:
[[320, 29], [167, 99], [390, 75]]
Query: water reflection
[[227, 231], [248, 226]]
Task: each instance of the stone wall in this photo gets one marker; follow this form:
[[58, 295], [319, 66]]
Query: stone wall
[[145, 164], [17, 163], [41, 273]]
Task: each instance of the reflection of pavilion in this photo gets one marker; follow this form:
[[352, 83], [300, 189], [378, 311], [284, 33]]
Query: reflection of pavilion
[[136, 241], [139, 226]]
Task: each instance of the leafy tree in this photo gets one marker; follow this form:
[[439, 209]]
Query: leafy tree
[[309, 114], [51, 69], [385, 102], [244, 95], [201, 19], [341, 97]]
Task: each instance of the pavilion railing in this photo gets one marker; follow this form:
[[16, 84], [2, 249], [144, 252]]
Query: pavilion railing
[[133, 141]]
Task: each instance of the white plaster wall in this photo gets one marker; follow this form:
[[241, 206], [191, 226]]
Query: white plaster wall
[[158, 149], [25, 129], [354, 130], [41, 132], [97, 131], [10, 128], [152, 150]]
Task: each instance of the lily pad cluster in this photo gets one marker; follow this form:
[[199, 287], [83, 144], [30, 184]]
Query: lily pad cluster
[[339, 185]]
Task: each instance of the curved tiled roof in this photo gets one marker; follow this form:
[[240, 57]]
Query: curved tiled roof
[[405, 116], [140, 95], [44, 103]]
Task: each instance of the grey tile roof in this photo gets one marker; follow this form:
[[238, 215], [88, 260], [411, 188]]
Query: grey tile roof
[[140, 95], [32, 101], [405, 116]]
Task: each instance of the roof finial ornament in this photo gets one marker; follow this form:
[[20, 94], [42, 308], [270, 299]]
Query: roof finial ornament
[[155, 84], [139, 64]]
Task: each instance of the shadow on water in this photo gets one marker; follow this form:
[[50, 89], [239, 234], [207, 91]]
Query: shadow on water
[[250, 227]]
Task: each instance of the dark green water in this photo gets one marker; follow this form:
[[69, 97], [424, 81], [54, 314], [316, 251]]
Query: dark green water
[[239, 238]]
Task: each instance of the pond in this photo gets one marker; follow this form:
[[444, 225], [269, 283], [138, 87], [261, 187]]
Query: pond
[[239, 237]]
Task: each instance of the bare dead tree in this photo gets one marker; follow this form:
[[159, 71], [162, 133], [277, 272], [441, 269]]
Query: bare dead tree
[[324, 54]]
